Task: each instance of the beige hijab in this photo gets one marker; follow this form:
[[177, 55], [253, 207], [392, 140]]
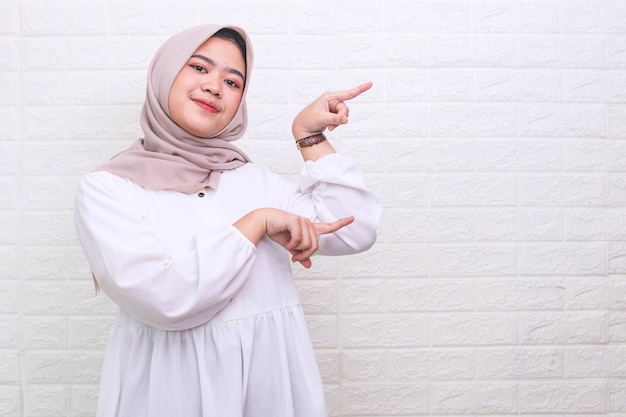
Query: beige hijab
[[168, 157]]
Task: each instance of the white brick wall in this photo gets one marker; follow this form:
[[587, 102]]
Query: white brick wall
[[495, 136]]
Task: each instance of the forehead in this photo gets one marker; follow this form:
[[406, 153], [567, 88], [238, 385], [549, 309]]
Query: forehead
[[222, 51]]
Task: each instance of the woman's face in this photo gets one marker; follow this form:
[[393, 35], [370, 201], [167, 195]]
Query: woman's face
[[207, 92]]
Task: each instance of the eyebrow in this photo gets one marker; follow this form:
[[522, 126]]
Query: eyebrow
[[212, 63]]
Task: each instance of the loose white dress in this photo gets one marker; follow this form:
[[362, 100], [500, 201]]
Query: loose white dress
[[210, 325]]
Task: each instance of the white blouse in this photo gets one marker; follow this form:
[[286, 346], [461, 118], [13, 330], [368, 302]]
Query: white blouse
[[210, 325]]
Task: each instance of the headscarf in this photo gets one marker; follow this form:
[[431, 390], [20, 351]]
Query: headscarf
[[168, 157]]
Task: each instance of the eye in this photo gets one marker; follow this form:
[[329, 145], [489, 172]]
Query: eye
[[232, 83], [198, 68]]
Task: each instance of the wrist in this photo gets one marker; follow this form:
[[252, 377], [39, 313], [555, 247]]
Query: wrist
[[310, 140], [253, 225], [299, 134]]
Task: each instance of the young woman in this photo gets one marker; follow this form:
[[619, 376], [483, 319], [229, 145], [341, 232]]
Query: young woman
[[194, 242]]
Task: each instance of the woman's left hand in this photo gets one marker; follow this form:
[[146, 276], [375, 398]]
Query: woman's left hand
[[327, 112]]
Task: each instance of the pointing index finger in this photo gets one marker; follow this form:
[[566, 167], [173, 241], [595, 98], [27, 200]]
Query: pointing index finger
[[326, 228], [352, 92]]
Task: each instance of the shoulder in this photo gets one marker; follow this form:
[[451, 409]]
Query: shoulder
[[98, 179], [95, 177], [102, 184]]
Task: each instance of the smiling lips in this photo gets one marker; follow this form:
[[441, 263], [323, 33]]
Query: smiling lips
[[206, 105]]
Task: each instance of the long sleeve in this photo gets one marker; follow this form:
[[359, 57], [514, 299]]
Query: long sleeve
[[164, 287], [331, 188]]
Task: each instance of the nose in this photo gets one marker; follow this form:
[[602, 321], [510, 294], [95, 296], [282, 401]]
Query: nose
[[212, 86]]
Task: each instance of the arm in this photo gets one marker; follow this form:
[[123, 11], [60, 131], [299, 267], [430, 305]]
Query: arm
[[298, 235], [331, 185], [170, 289]]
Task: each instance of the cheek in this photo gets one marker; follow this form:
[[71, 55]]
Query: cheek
[[171, 105], [171, 98], [175, 106], [235, 102], [177, 90]]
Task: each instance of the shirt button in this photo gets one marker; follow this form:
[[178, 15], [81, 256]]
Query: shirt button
[[200, 194]]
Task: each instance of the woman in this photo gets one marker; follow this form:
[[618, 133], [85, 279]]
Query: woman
[[194, 243]]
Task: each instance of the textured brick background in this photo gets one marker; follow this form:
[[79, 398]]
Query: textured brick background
[[495, 135]]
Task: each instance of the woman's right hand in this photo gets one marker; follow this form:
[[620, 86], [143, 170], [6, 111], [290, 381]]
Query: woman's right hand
[[298, 235], [328, 111]]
